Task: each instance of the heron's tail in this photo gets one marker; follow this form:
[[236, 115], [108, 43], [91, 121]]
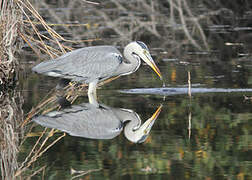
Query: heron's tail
[[48, 68], [42, 67]]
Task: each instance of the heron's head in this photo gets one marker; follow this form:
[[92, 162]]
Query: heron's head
[[139, 50], [138, 134]]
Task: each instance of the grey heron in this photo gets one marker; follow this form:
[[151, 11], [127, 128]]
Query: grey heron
[[98, 63], [88, 121]]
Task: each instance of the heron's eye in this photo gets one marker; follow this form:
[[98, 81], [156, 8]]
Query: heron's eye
[[145, 51]]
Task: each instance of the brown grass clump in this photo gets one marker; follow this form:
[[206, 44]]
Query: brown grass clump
[[10, 22], [20, 20]]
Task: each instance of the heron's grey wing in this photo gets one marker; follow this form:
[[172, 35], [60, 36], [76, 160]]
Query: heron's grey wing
[[85, 64], [83, 121]]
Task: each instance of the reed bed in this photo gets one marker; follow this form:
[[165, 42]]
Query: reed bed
[[51, 44], [10, 23], [19, 20]]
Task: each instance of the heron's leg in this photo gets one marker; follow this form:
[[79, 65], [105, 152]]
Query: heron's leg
[[92, 87], [92, 97]]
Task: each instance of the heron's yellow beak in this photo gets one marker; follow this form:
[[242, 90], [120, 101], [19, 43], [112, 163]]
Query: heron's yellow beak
[[156, 114], [146, 57], [149, 123]]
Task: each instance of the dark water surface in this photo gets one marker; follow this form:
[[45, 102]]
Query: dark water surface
[[203, 136]]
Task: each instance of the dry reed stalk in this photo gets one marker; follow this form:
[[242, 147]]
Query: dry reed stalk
[[190, 109], [181, 6], [39, 40], [10, 24], [189, 84]]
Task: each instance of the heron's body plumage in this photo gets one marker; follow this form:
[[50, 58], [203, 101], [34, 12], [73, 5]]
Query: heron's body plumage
[[102, 122], [86, 120], [85, 64]]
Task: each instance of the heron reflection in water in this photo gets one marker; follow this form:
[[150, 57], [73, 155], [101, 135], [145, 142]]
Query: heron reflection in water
[[91, 65], [102, 122]]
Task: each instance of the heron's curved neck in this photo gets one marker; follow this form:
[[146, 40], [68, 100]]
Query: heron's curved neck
[[133, 123], [131, 130], [130, 65]]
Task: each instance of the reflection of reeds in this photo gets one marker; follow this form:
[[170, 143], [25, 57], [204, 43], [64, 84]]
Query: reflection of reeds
[[190, 109], [81, 173], [39, 148], [11, 115]]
